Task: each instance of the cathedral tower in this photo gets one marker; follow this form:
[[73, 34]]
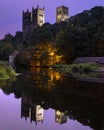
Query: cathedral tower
[[32, 19], [62, 14], [26, 21], [37, 16]]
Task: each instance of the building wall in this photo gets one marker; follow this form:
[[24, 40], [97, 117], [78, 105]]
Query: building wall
[[40, 19], [11, 58], [34, 18]]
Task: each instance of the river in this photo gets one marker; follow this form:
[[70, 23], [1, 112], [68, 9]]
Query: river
[[48, 100]]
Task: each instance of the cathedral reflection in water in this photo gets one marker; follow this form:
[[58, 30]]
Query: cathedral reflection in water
[[35, 112], [60, 117], [32, 111]]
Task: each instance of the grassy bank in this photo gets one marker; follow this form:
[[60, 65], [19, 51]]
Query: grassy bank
[[76, 68], [6, 71]]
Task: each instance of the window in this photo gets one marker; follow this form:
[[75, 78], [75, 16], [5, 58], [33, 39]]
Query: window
[[41, 21], [41, 15]]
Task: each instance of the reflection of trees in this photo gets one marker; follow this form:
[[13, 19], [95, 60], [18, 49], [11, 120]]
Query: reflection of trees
[[83, 101], [45, 78], [6, 85]]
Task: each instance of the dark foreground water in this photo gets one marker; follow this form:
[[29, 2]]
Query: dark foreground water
[[47, 100]]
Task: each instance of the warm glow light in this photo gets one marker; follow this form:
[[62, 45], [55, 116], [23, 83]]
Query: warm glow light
[[58, 76], [51, 53]]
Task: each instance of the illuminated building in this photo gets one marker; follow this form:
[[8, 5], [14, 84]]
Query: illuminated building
[[62, 14], [60, 117]]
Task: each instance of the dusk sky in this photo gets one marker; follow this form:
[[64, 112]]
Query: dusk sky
[[11, 11]]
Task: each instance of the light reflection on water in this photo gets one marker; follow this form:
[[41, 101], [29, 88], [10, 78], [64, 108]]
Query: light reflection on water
[[10, 119]]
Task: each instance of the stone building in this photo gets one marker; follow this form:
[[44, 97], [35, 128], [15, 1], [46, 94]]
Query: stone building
[[30, 20], [62, 14]]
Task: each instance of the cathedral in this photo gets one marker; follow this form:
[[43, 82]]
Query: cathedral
[[35, 18]]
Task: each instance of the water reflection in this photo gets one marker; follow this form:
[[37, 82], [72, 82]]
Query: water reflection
[[45, 77], [35, 112], [69, 97], [60, 117], [32, 111]]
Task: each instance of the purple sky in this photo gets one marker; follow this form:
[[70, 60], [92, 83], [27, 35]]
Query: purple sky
[[11, 11]]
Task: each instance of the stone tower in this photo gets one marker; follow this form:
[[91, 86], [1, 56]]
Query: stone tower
[[31, 20], [26, 21], [37, 17], [62, 14]]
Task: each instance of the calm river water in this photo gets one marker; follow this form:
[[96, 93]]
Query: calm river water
[[48, 100]]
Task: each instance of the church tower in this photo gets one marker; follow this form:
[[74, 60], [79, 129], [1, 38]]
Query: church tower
[[62, 14], [38, 17], [33, 19], [26, 21]]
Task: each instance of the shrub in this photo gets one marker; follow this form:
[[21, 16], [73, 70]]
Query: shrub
[[87, 69], [75, 69]]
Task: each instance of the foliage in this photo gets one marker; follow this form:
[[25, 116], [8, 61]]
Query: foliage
[[84, 36], [87, 67], [41, 55], [6, 71], [9, 44], [76, 68], [5, 49]]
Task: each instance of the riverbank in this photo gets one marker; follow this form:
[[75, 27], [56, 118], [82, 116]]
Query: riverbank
[[77, 68], [84, 72], [6, 71]]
